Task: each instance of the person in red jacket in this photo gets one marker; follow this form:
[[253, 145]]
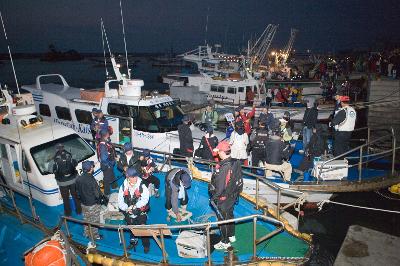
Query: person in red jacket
[[245, 117]]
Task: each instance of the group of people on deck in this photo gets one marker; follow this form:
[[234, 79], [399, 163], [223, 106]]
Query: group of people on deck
[[268, 140]]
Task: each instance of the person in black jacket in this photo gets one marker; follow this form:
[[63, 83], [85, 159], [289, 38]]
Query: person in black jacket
[[185, 137], [224, 194], [317, 148], [208, 144], [89, 193], [129, 158], [64, 170], [277, 157], [310, 120], [258, 141]]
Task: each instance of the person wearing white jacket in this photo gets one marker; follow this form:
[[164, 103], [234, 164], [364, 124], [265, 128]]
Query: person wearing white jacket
[[239, 141]]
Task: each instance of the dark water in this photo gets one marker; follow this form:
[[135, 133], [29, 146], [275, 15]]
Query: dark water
[[329, 226]]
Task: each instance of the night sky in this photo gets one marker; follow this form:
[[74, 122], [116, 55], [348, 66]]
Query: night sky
[[158, 25]]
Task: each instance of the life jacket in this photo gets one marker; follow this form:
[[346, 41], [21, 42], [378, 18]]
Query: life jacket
[[349, 123], [63, 164], [147, 166], [260, 140], [110, 150], [133, 199], [233, 180]]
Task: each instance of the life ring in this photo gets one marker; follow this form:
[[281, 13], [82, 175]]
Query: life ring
[[50, 253]]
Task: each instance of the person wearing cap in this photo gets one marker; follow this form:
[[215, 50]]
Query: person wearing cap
[[177, 182], [207, 144], [210, 116], [239, 140], [286, 131], [343, 122], [106, 154], [258, 141], [241, 115], [99, 123], [147, 168], [64, 169], [310, 120], [133, 202], [224, 190], [89, 193], [185, 137], [277, 157], [129, 158]]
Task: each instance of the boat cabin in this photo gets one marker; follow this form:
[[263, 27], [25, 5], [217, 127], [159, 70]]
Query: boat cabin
[[27, 149]]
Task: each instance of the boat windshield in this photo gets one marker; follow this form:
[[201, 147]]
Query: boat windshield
[[168, 115], [43, 154]]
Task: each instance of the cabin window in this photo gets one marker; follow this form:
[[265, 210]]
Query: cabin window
[[214, 88], [44, 110], [43, 154], [63, 113], [168, 116], [221, 89], [118, 109], [241, 89], [232, 90], [3, 151], [83, 116], [25, 163], [145, 121]]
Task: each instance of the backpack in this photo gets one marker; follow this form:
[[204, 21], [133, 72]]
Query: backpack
[[63, 164], [234, 179]]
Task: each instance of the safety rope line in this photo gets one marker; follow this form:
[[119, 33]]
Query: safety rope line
[[386, 196], [321, 204]]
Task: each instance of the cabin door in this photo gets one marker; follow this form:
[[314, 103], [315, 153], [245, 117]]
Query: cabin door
[[9, 165], [122, 129]]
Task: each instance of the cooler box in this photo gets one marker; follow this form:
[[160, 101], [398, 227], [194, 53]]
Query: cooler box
[[334, 170], [191, 245]]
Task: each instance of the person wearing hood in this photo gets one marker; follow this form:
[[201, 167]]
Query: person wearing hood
[[177, 182], [185, 137], [244, 117], [133, 202], [210, 116], [207, 144], [130, 158], [317, 147], [310, 120], [239, 141]]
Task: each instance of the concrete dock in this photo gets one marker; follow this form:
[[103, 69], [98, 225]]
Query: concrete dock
[[363, 246]]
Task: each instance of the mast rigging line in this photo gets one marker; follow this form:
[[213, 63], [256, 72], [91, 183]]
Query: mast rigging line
[[123, 32], [9, 53], [104, 50], [321, 204]]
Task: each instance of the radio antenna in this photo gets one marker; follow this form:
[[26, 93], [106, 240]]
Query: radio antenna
[[123, 32], [206, 30], [9, 53], [104, 48]]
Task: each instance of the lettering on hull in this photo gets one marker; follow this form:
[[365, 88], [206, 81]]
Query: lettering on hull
[[80, 128]]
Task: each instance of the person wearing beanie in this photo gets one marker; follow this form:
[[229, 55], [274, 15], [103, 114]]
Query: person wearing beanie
[[177, 182], [224, 189], [258, 141], [244, 117], [89, 194], [133, 202], [129, 158], [343, 122], [277, 157], [185, 137], [147, 168], [107, 156], [99, 123], [207, 144], [64, 169]]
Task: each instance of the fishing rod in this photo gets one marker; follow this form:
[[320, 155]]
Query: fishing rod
[[9, 53]]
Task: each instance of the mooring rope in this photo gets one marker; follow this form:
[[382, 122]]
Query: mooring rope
[[321, 204]]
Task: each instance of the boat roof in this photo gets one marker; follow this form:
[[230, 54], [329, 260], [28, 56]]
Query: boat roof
[[68, 93]]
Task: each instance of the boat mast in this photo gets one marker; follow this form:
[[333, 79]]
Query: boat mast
[[123, 32], [9, 53], [104, 49]]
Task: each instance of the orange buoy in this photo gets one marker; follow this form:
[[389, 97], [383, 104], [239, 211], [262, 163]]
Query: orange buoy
[[48, 253]]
